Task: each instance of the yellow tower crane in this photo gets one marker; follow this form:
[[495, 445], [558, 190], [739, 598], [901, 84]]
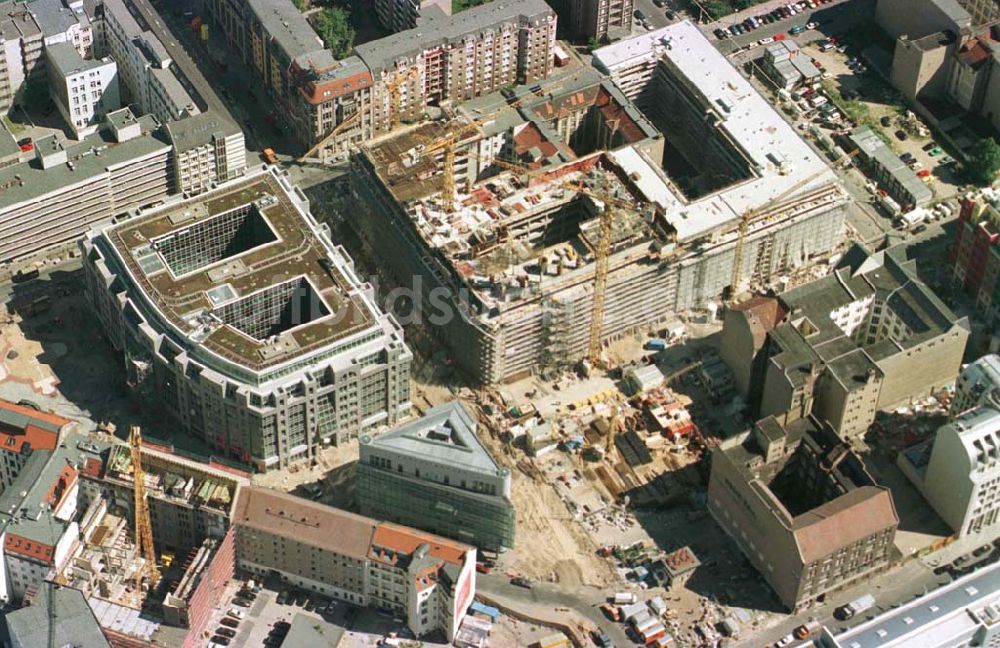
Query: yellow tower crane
[[751, 216], [143, 527]]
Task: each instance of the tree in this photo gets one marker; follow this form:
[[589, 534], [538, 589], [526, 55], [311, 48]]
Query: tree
[[593, 43], [984, 161], [334, 26], [301, 5]]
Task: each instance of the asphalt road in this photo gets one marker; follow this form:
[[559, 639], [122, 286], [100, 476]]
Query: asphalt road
[[834, 18]]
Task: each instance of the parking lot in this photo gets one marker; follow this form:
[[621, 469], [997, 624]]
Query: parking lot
[[267, 616]]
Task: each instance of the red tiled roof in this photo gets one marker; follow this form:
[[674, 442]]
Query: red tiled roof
[[405, 540], [21, 546], [857, 514], [30, 412]]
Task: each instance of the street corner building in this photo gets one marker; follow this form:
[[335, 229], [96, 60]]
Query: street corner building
[[802, 508], [867, 337], [236, 313], [429, 580], [435, 474]]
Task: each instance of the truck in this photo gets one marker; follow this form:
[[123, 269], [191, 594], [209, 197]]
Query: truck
[[269, 156], [857, 606], [656, 344], [624, 598], [612, 612]]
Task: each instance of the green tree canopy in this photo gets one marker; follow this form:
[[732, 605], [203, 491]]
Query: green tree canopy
[[334, 26], [984, 161]]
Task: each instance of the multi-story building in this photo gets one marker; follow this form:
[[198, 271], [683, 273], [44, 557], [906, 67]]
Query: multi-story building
[[869, 336], [963, 612], [475, 52], [427, 579], [602, 20], [978, 384], [237, 314], [974, 254], [434, 474], [66, 189], [207, 151], [24, 430], [22, 50], [400, 15], [487, 259], [84, 91], [802, 508], [67, 621], [146, 69], [64, 21], [959, 472]]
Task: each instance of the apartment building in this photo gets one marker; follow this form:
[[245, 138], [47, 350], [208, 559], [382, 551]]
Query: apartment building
[[84, 91], [147, 72], [276, 365], [959, 472], [475, 52], [24, 430], [22, 50], [974, 254], [867, 337], [434, 474], [802, 508], [428, 580], [400, 15], [602, 20]]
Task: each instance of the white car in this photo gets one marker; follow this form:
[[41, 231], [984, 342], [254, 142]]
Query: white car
[[236, 613], [784, 641], [812, 25], [765, 41]]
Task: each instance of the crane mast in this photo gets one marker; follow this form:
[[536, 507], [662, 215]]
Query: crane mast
[[143, 525]]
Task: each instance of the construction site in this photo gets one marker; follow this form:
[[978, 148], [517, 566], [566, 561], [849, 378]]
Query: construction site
[[524, 259]]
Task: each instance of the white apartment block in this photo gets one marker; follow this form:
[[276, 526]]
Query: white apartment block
[[962, 481], [630, 63], [977, 384], [146, 66], [83, 90]]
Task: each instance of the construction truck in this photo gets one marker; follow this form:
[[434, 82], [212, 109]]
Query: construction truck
[[269, 156]]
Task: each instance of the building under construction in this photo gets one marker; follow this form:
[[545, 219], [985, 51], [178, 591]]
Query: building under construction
[[728, 197]]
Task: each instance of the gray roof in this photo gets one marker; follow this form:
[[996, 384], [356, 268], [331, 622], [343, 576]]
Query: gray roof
[[947, 612], [75, 624], [27, 181], [287, 26], [309, 632], [67, 60], [383, 53], [198, 130], [444, 435], [52, 16], [873, 147]]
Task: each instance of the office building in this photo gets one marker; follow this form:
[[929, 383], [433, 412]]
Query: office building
[[601, 20], [964, 612], [400, 15], [475, 52], [959, 472], [427, 580], [978, 384], [892, 174], [802, 508], [240, 318], [676, 232], [207, 150], [84, 91], [147, 71], [67, 188], [434, 474], [869, 336]]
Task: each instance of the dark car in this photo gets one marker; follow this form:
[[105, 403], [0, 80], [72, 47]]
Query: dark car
[[907, 157], [282, 597], [242, 602], [310, 605], [229, 621], [222, 641], [886, 121], [901, 135], [301, 598], [919, 228], [225, 632], [928, 146], [669, 15], [660, 3], [721, 35], [521, 582], [639, 15]]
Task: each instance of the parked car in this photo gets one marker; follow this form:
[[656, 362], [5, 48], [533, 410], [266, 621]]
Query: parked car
[[229, 621], [236, 613], [521, 582], [242, 602], [928, 146], [225, 632], [282, 597], [936, 151], [220, 641], [721, 35], [947, 159]]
